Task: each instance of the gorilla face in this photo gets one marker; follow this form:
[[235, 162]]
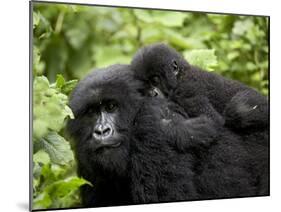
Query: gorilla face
[[103, 115], [104, 105], [160, 67]]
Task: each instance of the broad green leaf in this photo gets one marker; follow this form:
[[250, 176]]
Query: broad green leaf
[[61, 188], [64, 192], [41, 157], [40, 128], [203, 58], [58, 148]]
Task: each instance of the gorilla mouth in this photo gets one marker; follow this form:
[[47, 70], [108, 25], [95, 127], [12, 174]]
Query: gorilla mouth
[[117, 144], [103, 146]]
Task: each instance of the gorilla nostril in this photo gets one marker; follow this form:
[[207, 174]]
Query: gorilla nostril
[[97, 132], [102, 131], [106, 131]]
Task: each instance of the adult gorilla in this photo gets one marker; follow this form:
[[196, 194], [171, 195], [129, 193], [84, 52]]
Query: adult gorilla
[[105, 105], [135, 149]]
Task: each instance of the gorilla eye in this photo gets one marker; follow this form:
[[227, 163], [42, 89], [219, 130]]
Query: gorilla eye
[[155, 80], [91, 110], [175, 66], [111, 106]]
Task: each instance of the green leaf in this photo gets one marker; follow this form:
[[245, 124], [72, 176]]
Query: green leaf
[[58, 148], [63, 187], [76, 36], [36, 19], [63, 193], [41, 157], [50, 106], [68, 87], [106, 56], [241, 27], [38, 65], [42, 201], [60, 81], [143, 15], [40, 128], [177, 39], [203, 58], [163, 18], [169, 19]]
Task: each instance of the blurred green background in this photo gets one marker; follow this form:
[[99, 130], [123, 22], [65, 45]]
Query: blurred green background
[[74, 39], [70, 40]]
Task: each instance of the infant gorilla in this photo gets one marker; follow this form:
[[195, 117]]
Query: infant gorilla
[[199, 92], [138, 149]]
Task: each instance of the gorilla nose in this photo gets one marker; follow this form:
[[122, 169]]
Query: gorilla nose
[[102, 131]]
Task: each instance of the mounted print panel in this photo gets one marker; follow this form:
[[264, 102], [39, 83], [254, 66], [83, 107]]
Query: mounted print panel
[[137, 106]]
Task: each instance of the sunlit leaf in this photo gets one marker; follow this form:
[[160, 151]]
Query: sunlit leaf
[[50, 106], [68, 87], [203, 58], [41, 157], [241, 27], [58, 148], [60, 81], [36, 19], [168, 19]]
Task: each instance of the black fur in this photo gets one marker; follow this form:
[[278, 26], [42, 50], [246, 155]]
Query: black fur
[[182, 82], [105, 168], [226, 167], [113, 171], [159, 171], [164, 155]]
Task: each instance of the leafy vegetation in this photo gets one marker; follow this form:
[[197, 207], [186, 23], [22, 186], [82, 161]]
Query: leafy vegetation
[[55, 183], [70, 40]]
